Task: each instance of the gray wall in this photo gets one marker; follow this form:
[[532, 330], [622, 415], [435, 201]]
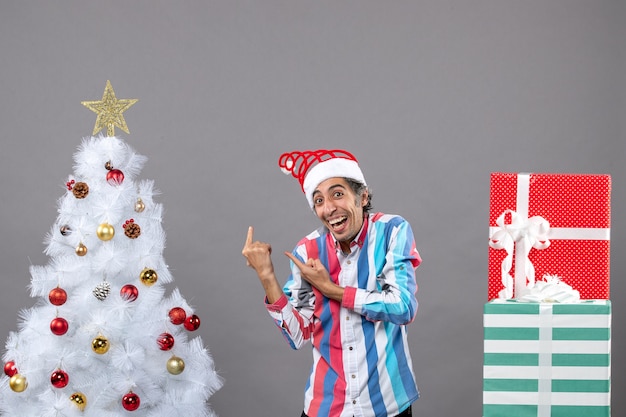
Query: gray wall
[[431, 96]]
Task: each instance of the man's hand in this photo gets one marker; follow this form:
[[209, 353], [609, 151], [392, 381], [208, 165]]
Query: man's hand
[[316, 274], [258, 257]]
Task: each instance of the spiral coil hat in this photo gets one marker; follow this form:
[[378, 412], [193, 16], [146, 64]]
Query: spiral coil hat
[[310, 168]]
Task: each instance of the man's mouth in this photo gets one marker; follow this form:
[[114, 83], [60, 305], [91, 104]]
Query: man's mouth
[[337, 222]]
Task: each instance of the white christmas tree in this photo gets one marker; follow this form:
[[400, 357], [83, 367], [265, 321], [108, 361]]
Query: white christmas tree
[[104, 338]]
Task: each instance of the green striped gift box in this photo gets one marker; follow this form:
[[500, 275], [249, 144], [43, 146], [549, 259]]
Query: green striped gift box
[[547, 359]]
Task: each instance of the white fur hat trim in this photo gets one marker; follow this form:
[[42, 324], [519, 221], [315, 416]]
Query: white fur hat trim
[[331, 168]]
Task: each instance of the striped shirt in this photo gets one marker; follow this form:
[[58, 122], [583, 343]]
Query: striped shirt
[[361, 360]]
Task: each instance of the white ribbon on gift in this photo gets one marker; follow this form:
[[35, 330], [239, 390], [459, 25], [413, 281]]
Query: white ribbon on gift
[[544, 378], [524, 234], [521, 235], [551, 289]]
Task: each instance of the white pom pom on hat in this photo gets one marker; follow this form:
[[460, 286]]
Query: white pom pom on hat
[[311, 168]]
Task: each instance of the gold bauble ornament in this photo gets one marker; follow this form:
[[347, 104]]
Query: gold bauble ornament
[[18, 383], [148, 276], [105, 232], [175, 365], [81, 250], [139, 205], [100, 345], [79, 399]]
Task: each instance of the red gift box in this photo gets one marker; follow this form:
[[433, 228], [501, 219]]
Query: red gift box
[[557, 224]]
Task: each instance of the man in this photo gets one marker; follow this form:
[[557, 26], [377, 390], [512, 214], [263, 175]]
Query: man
[[351, 292]]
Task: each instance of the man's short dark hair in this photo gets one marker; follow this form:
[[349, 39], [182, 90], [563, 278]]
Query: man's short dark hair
[[359, 188]]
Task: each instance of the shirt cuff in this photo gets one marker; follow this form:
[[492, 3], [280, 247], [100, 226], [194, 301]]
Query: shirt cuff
[[349, 295], [278, 305]]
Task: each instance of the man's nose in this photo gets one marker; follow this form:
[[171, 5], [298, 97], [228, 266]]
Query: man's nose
[[329, 207]]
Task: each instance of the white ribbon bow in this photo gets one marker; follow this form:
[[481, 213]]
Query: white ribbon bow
[[521, 235], [551, 290]]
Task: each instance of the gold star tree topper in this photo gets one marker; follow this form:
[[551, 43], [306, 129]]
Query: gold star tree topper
[[109, 111]]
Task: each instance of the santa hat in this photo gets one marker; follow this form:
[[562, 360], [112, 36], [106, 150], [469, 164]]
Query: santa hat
[[311, 168]]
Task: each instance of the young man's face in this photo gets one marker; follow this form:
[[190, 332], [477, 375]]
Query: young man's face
[[339, 209]]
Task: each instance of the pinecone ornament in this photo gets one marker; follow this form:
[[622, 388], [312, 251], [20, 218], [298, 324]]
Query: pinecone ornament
[[80, 190], [102, 290], [132, 229]]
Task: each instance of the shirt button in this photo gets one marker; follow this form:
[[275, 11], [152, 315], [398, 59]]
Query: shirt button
[[353, 401], [349, 262], [353, 376], [350, 348], [348, 318]]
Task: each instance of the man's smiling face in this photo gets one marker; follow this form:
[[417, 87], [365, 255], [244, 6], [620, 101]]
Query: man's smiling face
[[339, 209]]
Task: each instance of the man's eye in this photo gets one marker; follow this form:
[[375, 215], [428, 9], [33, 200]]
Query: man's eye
[[317, 201], [338, 194]]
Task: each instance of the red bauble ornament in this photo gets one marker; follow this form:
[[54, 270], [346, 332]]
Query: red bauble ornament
[[177, 315], [129, 292], [165, 341], [192, 323], [10, 369], [57, 296], [59, 326], [59, 379], [130, 401], [115, 177]]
